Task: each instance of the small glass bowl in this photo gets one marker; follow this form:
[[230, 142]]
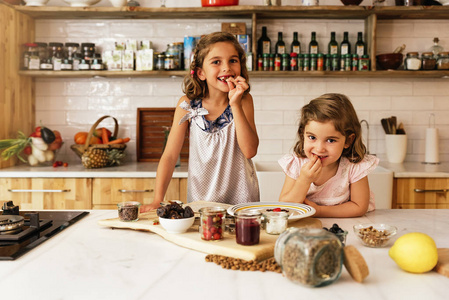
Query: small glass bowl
[[342, 236], [128, 211], [375, 235]]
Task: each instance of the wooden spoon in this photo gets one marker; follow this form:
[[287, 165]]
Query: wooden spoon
[[386, 126]]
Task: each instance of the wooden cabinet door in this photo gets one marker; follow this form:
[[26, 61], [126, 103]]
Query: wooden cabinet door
[[47, 193], [107, 192], [421, 193]]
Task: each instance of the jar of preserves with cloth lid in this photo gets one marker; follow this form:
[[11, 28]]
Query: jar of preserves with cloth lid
[[443, 61]]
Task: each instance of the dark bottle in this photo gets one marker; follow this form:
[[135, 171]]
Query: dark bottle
[[264, 43], [360, 48], [345, 46], [280, 44], [296, 45], [313, 45], [332, 48]]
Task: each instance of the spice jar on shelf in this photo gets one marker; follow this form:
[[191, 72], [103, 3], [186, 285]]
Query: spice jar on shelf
[[443, 61], [428, 61], [309, 256], [412, 61]]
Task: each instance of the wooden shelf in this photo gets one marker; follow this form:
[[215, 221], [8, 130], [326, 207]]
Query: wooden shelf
[[253, 74], [240, 11]]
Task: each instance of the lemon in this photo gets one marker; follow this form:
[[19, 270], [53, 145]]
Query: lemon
[[415, 252]]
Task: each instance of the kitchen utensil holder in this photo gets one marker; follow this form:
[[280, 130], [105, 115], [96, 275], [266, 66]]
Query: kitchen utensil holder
[[396, 145]]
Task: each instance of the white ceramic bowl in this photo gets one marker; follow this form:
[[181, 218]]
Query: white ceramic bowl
[[443, 2], [36, 2], [176, 225], [81, 3]]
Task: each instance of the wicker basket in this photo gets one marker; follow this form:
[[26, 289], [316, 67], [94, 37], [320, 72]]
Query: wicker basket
[[79, 149]]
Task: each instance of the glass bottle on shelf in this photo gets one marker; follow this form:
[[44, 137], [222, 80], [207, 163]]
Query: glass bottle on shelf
[[313, 45], [296, 45], [436, 48], [360, 48], [264, 43], [332, 48], [345, 48], [280, 44]]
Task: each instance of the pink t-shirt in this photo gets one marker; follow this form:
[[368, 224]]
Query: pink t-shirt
[[336, 190]]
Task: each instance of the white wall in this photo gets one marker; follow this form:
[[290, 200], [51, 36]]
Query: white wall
[[72, 105]]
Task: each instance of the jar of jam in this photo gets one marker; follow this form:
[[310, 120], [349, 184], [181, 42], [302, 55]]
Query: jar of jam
[[443, 61], [212, 223], [309, 256], [87, 50], [412, 61], [247, 227]]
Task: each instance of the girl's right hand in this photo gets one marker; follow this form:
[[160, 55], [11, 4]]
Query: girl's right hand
[[311, 170], [149, 207]]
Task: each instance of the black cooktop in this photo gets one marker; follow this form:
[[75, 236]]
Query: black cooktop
[[38, 227]]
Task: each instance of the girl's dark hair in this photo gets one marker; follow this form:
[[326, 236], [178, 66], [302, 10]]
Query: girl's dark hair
[[195, 88], [338, 109]]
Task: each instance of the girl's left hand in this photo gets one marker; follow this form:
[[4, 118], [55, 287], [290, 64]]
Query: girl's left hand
[[237, 86]]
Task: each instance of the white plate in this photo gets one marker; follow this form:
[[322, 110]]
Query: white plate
[[295, 210], [81, 3]]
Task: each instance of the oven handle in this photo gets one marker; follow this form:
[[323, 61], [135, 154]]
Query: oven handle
[[38, 191], [431, 191], [135, 191]]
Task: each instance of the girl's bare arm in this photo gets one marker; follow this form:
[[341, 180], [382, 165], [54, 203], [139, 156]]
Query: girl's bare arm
[[355, 207], [245, 125]]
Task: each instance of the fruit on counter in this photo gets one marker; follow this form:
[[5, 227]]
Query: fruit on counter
[[105, 137], [94, 158], [415, 252]]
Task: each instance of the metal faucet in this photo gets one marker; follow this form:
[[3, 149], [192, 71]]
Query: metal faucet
[[367, 134]]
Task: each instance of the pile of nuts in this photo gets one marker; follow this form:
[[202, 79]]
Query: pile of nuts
[[373, 237], [231, 263]]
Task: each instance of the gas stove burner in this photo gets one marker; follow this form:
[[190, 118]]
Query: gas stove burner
[[10, 223]]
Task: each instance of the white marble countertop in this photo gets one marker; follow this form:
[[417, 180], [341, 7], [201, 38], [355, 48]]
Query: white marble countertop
[[87, 261]]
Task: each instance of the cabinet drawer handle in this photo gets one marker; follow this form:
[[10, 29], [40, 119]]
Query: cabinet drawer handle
[[431, 191], [135, 191], [38, 191]]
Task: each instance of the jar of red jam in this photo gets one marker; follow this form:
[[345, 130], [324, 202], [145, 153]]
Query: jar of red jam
[[212, 223], [247, 227]]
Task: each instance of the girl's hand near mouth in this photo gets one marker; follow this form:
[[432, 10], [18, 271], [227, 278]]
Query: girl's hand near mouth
[[311, 171], [237, 86]]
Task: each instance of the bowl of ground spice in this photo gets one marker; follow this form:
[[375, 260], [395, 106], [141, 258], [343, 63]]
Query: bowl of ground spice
[[128, 211]]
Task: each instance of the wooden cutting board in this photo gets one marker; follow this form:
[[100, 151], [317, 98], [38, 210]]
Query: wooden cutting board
[[442, 266], [227, 246]]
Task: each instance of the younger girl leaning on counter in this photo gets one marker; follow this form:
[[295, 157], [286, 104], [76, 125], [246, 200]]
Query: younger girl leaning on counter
[[329, 167]]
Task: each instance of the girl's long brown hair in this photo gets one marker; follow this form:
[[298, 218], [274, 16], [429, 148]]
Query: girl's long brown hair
[[195, 88], [338, 109]]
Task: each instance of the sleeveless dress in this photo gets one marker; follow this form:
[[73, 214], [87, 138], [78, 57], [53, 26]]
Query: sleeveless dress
[[218, 170]]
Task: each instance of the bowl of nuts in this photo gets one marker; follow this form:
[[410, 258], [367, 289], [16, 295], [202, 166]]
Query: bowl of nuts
[[375, 235]]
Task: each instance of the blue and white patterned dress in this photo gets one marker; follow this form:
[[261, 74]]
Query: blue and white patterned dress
[[218, 170]]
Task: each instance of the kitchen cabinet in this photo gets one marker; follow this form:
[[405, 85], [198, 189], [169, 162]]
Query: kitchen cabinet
[[421, 193], [256, 14], [47, 193], [107, 192]]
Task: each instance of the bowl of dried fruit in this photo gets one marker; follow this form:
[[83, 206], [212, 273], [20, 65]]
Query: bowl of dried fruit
[[175, 218], [375, 235]]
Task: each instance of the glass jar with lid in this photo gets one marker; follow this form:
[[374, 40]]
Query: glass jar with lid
[[275, 221], [55, 52], [87, 50], [172, 49], [160, 61], [412, 61], [42, 48], [443, 61], [30, 57], [428, 61], [309, 256], [71, 49]]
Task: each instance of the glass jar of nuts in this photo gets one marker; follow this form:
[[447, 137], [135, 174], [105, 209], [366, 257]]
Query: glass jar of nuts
[[309, 256]]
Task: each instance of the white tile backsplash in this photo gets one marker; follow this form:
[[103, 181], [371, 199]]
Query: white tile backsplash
[[72, 105]]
